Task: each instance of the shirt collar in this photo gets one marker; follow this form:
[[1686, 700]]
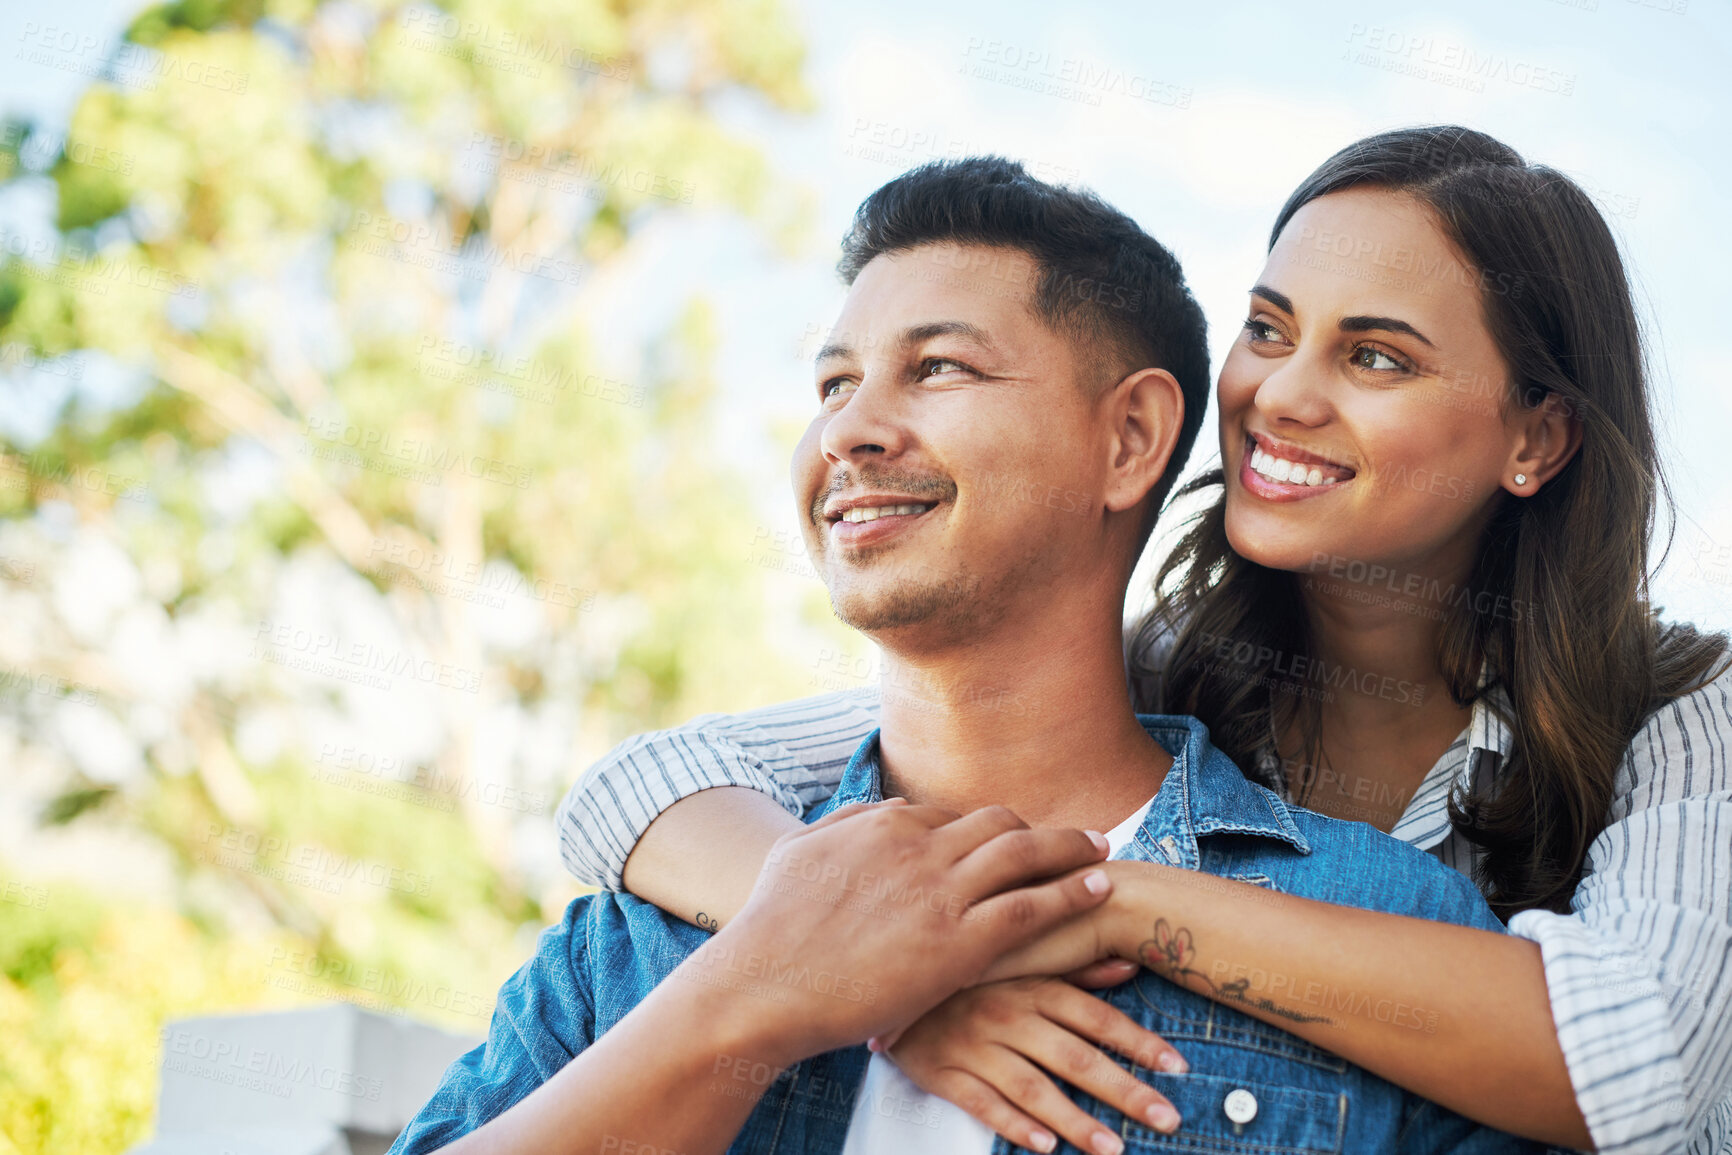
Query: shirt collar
[[1203, 794]]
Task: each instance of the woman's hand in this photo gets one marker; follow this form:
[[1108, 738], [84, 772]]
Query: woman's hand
[[1113, 930], [989, 1049]]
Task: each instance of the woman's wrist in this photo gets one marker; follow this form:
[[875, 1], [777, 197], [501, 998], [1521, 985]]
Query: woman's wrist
[[1142, 893]]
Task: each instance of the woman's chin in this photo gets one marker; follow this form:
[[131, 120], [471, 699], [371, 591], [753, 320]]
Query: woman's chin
[[1281, 549]]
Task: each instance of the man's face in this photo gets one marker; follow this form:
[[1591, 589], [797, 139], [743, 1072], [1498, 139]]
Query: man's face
[[956, 462]]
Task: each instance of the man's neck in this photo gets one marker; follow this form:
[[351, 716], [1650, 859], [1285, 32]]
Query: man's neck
[[1036, 718]]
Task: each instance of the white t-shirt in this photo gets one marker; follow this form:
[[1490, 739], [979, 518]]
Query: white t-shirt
[[892, 1116]]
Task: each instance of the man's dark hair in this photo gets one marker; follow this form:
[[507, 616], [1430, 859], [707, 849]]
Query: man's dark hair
[[1102, 281]]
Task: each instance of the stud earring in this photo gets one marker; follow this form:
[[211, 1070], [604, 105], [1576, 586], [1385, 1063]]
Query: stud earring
[[1521, 479]]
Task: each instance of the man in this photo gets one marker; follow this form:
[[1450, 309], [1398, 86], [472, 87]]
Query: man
[[1001, 338]]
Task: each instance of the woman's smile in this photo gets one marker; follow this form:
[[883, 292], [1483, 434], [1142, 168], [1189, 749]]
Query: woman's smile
[[1277, 471]]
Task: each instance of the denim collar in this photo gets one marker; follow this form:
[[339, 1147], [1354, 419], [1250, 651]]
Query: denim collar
[[1203, 794]]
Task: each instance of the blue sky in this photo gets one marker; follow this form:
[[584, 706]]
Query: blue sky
[[1198, 120]]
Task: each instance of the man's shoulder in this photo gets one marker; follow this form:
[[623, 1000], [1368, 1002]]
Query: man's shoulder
[[619, 945], [1356, 864]]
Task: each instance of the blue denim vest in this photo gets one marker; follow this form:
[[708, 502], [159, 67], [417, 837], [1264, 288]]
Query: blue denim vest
[[1252, 1087]]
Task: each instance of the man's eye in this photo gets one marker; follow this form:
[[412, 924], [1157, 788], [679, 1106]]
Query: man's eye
[[835, 387], [935, 365]]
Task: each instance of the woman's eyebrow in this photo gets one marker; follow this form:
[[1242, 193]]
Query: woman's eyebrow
[[1363, 324], [1359, 323], [1279, 300]]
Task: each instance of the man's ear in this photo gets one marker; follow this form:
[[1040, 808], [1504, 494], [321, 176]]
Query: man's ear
[[1145, 411], [1544, 438]]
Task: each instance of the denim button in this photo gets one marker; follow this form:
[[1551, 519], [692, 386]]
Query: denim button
[[1241, 1106]]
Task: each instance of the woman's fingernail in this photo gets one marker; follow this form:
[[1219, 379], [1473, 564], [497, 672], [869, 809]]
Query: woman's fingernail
[[1173, 1063], [1043, 1140], [1162, 1118], [1096, 882], [1106, 1143], [874, 1045], [1096, 837]]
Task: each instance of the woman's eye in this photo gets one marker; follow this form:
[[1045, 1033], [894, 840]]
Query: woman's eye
[[1262, 330], [1369, 357]]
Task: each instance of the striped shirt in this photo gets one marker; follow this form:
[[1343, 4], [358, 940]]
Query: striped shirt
[[1639, 972]]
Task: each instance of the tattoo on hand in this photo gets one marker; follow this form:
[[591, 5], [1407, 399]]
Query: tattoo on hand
[[1170, 954], [705, 922]]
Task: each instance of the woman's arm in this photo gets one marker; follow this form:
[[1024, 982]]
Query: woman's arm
[[699, 859], [1452, 1013], [792, 755], [1640, 970]]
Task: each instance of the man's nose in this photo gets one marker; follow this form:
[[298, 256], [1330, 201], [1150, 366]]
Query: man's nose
[[868, 425]]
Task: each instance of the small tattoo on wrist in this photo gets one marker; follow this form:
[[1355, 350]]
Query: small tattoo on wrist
[[1170, 954]]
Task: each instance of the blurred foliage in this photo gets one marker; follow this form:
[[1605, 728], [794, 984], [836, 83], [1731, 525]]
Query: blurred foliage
[[282, 234]]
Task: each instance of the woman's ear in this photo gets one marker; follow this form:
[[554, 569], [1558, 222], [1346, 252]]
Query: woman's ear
[[1145, 410], [1546, 436]]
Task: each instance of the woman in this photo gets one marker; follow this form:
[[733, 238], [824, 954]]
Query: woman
[[1419, 600]]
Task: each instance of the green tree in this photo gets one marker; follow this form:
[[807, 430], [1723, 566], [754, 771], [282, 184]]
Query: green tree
[[330, 446]]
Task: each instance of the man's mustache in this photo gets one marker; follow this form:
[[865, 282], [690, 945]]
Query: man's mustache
[[919, 485]]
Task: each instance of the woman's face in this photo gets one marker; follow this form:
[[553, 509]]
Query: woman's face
[[1362, 407]]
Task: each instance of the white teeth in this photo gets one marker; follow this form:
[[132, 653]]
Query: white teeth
[[874, 512], [1291, 472]]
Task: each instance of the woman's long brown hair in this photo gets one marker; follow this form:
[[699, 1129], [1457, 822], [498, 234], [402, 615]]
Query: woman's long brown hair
[[1558, 612]]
